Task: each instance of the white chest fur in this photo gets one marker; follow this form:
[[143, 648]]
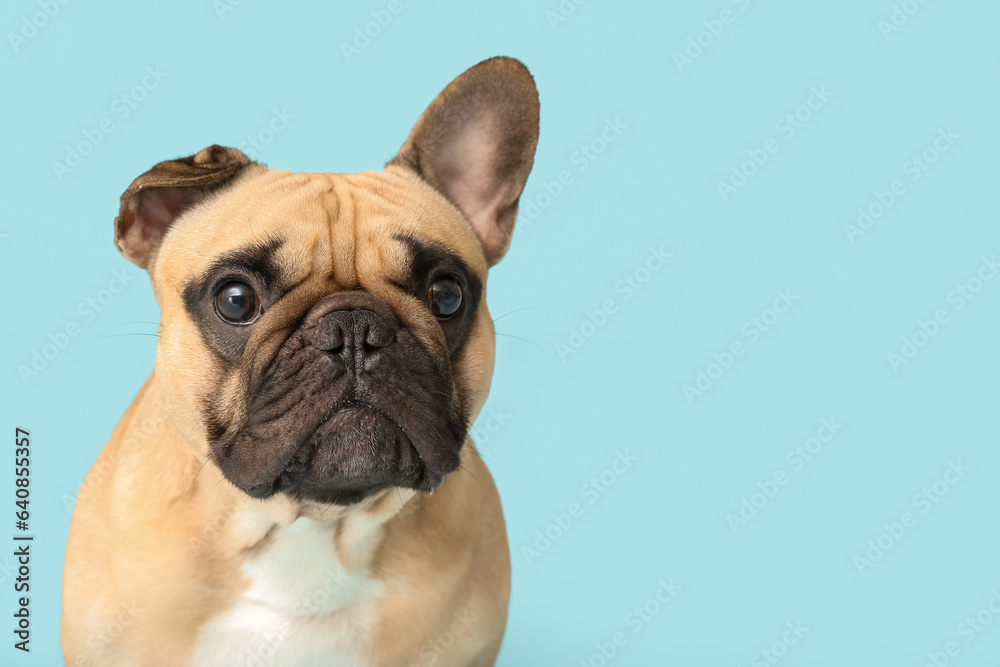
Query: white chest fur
[[302, 609]]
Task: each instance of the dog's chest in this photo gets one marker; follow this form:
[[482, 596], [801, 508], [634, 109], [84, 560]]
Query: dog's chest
[[301, 609]]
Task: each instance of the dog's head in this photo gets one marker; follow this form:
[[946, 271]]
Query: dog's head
[[326, 335]]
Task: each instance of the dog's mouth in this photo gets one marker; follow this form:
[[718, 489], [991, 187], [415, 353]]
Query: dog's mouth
[[351, 403], [352, 454]]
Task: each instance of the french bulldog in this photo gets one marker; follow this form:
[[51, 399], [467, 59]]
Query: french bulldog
[[295, 483]]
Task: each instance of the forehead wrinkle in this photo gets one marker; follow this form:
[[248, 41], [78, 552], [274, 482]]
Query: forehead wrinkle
[[341, 223]]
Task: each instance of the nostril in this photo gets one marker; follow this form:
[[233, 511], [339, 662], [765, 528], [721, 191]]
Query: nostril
[[378, 336], [354, 334], [328, 336]]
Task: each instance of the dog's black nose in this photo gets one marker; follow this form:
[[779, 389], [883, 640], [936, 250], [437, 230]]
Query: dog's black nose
[[356, 335]]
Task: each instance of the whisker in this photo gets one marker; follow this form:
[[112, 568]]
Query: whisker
[[489, 459], [525, 340], [464, 469], [156, 335], [511, 312], [125, 324], [475, 447], [196, 475], [325, 510], [399, 497]]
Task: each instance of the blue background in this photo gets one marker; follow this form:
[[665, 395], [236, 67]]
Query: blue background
[[565, 415]]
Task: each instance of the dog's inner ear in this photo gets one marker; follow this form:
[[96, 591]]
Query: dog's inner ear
[[154, 200], [475, 144]]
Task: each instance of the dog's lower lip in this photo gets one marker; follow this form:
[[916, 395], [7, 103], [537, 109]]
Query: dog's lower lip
[[427, 480]]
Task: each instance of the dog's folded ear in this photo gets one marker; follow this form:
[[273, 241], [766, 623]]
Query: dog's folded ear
[[475, 144], [150, 205]]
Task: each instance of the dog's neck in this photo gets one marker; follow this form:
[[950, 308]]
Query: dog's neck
[[353, 532], [307, 577]]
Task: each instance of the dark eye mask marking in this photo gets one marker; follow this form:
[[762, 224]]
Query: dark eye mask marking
[[428, 262], [255, 265]]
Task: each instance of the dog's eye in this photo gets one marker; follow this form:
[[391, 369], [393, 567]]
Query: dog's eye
[[237, 303], [444, 298]]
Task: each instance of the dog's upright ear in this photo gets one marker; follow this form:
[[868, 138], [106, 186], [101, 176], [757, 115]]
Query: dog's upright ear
[[475, 144], [150, 205]]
